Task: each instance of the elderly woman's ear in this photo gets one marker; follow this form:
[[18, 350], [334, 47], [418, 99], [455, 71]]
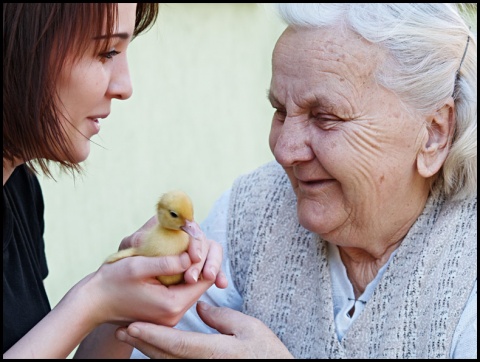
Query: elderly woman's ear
[[437, 140]]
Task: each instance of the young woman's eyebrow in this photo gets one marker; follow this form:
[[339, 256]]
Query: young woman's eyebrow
[[116, 35]]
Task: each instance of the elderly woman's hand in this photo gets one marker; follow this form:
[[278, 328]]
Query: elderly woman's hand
[[241, 336]]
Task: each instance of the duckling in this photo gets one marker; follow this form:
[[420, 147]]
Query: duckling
[[170, 236]]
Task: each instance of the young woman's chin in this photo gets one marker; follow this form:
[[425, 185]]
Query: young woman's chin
[[81, 152]]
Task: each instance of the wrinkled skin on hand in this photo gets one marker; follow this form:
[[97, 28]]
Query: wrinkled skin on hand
[[241, 336]]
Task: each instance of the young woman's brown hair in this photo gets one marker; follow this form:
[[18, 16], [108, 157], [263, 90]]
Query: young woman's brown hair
[[31, 130]]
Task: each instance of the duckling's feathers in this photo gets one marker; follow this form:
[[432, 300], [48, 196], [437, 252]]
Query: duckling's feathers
[[178, 202], [161, 241]]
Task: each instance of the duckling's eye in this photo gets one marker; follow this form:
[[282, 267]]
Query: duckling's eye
[[173, 214]]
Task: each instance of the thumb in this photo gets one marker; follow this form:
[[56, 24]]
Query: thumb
[[223, 319], [151, 266]]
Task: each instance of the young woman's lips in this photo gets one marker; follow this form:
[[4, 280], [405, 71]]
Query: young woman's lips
[[95, 125]]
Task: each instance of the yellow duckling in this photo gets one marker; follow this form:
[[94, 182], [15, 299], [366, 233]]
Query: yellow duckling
[[170, 236]]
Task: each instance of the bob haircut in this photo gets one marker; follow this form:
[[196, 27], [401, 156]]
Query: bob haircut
[[36, 41], [432, 56]]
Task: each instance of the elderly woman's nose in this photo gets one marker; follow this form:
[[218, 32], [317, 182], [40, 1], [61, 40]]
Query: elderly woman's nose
[[292, 145]]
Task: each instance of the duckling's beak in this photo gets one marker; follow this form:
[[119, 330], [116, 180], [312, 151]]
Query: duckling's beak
[[192, 229]]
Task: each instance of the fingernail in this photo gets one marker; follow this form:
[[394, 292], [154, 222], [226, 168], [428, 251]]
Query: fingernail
[[195, 274], [199, 254], [133, 331], [203, 305], [121, 335], [185, 260]]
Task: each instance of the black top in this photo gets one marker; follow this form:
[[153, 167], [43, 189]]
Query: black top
[[25, 300]]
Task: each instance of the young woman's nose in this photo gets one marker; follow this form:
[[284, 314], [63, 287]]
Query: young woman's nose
[[120, 86]]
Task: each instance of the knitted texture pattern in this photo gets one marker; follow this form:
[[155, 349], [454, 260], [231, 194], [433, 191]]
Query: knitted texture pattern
[[281, 270]]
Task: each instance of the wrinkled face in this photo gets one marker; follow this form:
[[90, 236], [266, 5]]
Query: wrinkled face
[[87, 87], [347, 145]]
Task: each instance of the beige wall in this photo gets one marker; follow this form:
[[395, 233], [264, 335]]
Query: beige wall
[[198, 118]]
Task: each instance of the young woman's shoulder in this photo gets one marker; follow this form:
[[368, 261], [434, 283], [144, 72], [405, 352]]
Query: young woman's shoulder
[[23, 207]]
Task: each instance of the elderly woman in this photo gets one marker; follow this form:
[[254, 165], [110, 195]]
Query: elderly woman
[[359, 241]]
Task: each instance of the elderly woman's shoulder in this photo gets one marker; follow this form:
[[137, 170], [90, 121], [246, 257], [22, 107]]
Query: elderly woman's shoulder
[[455, 217], [263, 180], [467, 204], [270, 168]]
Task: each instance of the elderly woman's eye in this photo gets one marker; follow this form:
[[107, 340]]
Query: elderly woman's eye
[[326, 122], [280, 115]]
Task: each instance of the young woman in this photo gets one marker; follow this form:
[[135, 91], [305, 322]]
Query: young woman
[[63, 64]]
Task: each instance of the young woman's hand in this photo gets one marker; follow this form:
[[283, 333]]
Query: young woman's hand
[[127, 290], [205, 254]]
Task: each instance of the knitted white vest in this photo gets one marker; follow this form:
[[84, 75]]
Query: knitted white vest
[[281, 270]]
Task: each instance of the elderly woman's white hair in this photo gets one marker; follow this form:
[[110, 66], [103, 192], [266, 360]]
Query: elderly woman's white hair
[[426, 43]]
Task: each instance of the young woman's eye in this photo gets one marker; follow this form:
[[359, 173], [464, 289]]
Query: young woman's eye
[[110, 54]]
